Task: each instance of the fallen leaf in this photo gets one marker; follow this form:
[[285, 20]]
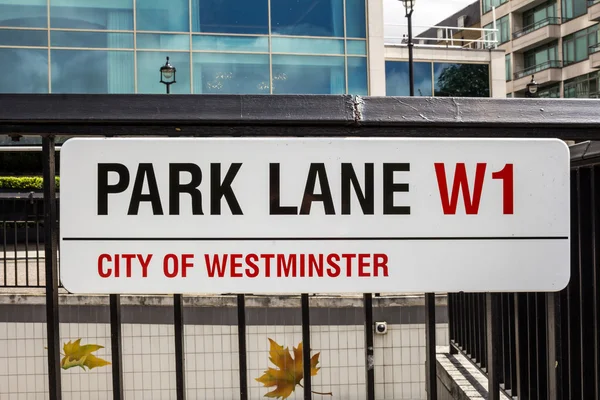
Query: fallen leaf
[[290, 372], [76, 355]]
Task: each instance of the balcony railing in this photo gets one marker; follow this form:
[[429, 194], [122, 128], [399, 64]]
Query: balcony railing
[[539, 67], [592, 2], [538, 25], [595, 48]]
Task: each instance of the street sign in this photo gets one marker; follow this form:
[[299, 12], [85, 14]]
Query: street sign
[[313, 215]]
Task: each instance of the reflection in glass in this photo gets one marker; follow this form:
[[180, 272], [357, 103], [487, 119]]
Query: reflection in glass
[[91, 14], [32, 74], [307, 17], [148, 75], [231, 43], [397, 80], [160, 15], [308, 75], [20, 13], [357, 76], [462, 80], [356, 19], [92, 39], [231, 73], [230, 16], [92, 71], [20, 37], [307, 46], [166, 41]]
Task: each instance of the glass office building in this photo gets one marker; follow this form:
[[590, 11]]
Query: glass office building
[[217, 46]]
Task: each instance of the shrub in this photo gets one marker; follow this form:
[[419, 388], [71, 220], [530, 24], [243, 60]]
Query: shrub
[[24, 182]]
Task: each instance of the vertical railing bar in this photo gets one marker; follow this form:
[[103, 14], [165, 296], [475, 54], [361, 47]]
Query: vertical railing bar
[[27, 243], [306, 346], [453, 315], [241, 309], [503, 364], [573, 296], [16, 257], [431, 376], [37, 240], [513, 345], [4, 246], [554, 364], [531, 347], [369, 350], [468, 336], [586, 278], [542, 347], [595, 197], [116, 346], [493, 357], [482, 335], [484, 357], [476, 340], [179, 346], [50, 247], [518, 388]]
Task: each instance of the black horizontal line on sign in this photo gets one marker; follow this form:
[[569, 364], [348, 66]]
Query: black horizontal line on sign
[[290, 239]]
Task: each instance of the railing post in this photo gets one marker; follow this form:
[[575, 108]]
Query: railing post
[[306, 346], [179, 347], [553, 345], [431, 376], [241, 307], [369, 350], [51, 261], [493, 345], [115, 341]]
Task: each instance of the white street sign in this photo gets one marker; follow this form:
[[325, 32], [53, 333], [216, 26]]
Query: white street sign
[[313, 215]]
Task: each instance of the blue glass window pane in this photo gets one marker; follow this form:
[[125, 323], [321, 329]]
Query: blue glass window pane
[[307, 46], [230, 16], [307, 17], [159, 15], [358, 47], [101, 40], [20, 37], [397, 83], [356, 19], [357, 76], [148, 72], [231, 43], [92, 14], [32, 74], [462, 80], [162, 42], [231, 73], [308, 75], [24, 13], [92, 71]]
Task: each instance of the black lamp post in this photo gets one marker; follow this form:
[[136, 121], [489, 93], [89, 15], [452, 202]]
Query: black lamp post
[[532, 88], [167, 75], [409, 6]]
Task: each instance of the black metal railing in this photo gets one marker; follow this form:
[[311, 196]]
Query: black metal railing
[[535, 26], [548, 345], [22, 240], [594, 49], [537, 68]]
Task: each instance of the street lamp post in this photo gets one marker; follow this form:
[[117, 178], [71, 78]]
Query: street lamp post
[[409, 6], [167, 75], [532, 88]]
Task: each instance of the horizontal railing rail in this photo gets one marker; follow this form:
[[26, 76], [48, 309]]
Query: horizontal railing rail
[[537, 68], [535, 26], [594, 48]]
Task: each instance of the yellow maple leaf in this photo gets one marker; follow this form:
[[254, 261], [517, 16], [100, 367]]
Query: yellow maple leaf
[[290, 372], [76, 355]]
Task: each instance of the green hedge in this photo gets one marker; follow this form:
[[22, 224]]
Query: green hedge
[[24, 182]]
